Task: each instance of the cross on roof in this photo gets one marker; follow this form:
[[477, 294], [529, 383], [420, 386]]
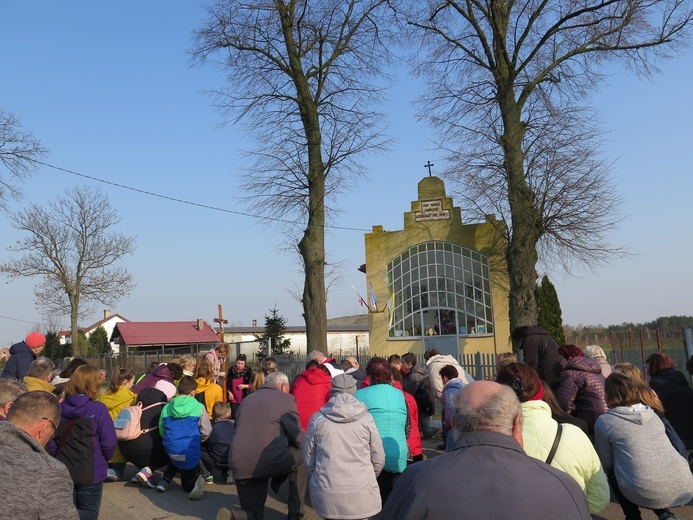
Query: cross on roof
[[429, 165]]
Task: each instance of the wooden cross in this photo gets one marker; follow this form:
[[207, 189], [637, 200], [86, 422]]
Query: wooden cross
[[429, 166], [221, 321]]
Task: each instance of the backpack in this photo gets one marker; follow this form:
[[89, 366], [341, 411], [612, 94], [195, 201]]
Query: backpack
[[127, 423]]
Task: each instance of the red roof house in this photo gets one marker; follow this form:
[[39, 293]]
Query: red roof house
[[158, 334]]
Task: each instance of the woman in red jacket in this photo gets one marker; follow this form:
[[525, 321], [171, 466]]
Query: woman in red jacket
[[311, 388]]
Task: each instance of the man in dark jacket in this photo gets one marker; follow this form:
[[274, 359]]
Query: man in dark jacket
[[485, 473], [21, 356], [267, 443], [33, 484], [417, 383], [540, 351]]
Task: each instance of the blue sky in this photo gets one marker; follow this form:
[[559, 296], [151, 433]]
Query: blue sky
[[109, 90]]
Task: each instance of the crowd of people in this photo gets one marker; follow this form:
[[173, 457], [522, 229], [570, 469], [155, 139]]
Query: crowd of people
[[555, 434]]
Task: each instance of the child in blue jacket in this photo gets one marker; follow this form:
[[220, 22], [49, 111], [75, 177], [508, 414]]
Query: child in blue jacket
[[184, 425]]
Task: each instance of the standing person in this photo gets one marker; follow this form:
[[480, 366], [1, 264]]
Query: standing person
[[85, 440], [207, 392], [434, 362], [597, 353], [581, 393], [9, 391], [675, 393], [238, 382], [644, 469], [217, 357], [389, 410], [344, 455], [267, 444], [184, 425], [33, 485], [118, 396], [311, 389], [21, 356], [540, 351], [418, 384], [485, 473], [564, 447]]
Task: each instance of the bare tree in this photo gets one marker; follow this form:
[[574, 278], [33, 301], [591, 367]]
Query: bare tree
[[70, 245], [18, 150], [506, 84], [306, 77]]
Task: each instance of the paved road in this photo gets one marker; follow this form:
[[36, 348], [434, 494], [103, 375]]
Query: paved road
[[123, 500]]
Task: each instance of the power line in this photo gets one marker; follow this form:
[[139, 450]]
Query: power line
[[182, 201]]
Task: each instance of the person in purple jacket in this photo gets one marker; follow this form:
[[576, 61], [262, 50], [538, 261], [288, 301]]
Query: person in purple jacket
[[85, 440]]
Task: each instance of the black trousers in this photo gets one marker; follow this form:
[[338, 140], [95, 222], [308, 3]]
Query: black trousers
[[631, 510]]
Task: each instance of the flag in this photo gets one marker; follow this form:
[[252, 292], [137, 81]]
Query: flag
[[374, 301]]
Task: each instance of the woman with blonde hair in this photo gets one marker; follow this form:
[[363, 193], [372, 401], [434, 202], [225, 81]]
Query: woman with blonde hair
[[85, 439]]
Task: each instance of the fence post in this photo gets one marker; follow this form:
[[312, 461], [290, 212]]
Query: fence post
[[479, 373]]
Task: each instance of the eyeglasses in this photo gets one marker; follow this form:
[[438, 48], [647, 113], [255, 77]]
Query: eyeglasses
[[55, 428]]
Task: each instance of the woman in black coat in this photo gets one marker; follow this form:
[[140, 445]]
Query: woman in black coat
[[672, 388]]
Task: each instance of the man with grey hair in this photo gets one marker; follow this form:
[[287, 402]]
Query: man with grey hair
[[267, 445], [485, 473], [39, 375], [330, 363], [33, 484], [9, 391]]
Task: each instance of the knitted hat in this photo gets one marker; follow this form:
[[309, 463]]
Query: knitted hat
[[35, 340], [343, 384]]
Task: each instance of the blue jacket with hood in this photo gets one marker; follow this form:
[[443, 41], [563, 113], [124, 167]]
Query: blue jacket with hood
[[184, 425], [17, 366]]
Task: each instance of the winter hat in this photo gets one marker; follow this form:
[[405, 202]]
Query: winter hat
[[343, 384], [35, 340]]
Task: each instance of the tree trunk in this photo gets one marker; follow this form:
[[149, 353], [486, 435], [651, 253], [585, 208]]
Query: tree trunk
[[74, 327], [521, 253]]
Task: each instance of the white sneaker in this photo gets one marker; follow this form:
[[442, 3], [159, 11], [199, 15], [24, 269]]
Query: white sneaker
[[199, 489]]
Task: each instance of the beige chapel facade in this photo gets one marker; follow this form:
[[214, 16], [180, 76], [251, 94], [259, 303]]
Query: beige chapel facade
[[439, 283]]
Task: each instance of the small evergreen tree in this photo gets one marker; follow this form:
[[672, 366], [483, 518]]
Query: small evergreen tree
[[98, 341], [273, 338], [52, 348], [550, 315]]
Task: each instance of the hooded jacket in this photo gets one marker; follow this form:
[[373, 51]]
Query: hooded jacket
[[312, 390], [575, 454], [540, 351], [90, 442], [632, 441], [208, 393], [389, 410], [434, 364], [267, 424], [676, 395], [160, 373], [343, 455], [582, 385], [184, 425], [21, 356], [115, 402], [34, 383], [33, 484]]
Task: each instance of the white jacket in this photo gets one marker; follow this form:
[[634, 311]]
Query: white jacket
[[434, 365], [575, 454], [343, 454]]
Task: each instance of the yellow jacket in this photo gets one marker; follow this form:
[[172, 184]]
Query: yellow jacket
[[115, 402], [212, 393], [33, 383]]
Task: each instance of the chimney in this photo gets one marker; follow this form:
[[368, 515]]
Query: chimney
[[106, 313], [254, 323], [200, 323]]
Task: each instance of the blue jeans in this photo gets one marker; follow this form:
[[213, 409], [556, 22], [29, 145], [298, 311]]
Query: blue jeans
[[87, 499], [428, 427]]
